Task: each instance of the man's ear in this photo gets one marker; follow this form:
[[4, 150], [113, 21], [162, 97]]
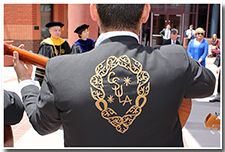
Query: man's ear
[[145, 14], [93, 12]]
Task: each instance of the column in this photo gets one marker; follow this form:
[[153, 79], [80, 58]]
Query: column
[[215, 19], [79, 14]]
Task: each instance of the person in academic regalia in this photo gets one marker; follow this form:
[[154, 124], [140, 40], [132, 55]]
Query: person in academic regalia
[[52, 46], [84, 44]]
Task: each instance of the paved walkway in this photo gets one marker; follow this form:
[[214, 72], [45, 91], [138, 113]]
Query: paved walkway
[[194, 133]]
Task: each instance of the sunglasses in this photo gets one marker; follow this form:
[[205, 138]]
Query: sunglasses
[[200, 33]]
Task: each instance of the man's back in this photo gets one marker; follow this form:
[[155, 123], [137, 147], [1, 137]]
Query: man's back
[[123, 94]]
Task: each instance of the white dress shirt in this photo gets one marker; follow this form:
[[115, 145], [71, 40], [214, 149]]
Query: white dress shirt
[[190, 33], [167, 34], [25, 83], [173, 42], [106, 35]]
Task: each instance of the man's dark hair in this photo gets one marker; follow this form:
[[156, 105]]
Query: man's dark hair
[[174, 31], [120, 16], [80, 32]]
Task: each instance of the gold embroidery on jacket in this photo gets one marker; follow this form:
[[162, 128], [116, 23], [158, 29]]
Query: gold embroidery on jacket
[[121, 123], [110, 99], [63, 51]]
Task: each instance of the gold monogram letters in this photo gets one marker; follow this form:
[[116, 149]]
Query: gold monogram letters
[[97, 90]]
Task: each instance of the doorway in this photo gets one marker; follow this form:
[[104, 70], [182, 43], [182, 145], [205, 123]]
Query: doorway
[[156, 23]]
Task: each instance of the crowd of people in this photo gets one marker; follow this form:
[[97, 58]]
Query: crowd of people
[[198, 48], [110, 99]]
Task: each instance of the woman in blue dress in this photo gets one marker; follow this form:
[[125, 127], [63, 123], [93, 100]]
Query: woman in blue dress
[[84, 44], [198, 47]]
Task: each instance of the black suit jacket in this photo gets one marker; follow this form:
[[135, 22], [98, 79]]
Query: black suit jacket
[[166, 42], [13, 108], [121, 94]]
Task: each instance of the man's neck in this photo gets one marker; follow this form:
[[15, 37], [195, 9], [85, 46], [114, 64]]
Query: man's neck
[[173, 40], [84, 39], [54, 38]]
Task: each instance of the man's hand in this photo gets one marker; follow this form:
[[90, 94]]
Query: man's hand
[[200, 60], [21, 46], [23, 70]]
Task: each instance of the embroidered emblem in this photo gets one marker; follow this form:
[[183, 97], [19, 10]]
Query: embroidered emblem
[[110, 99], [105, 69], [127, 81]]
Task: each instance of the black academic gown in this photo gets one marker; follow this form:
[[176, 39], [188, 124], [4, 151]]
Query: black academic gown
[[81, 46], [51, 48]]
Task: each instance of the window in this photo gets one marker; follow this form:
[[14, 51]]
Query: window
[[46, 16], [190, 7], [167, 8]]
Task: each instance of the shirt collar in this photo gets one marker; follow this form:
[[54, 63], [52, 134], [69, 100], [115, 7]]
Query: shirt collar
[[107, 35], [173, 41]]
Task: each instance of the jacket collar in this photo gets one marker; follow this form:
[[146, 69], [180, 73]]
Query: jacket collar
[[107, 35]]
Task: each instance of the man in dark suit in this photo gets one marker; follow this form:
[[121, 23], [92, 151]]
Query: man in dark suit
[[166, 32], [123, 94], [173, 38]]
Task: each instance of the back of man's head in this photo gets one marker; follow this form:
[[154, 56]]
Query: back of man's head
[[120, 16]]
